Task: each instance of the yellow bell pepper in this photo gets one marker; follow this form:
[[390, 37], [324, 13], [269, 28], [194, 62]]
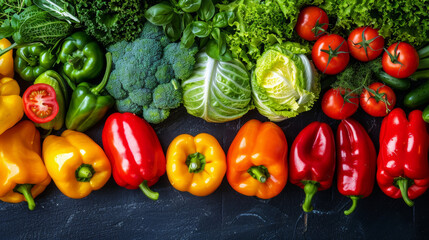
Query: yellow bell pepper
[[22, 173], [6, 60], [196, 164], [76, 163], [11, 108]]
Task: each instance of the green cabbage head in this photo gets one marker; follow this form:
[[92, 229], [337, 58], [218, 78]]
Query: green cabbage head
[[285, 82], [217, 91]]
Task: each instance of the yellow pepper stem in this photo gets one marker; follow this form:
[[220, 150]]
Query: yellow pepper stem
[[84, 173], [147, 191], [25, 189], [196, 162], [259, 173]]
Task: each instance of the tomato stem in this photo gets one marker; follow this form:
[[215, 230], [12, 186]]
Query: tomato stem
[[332, 53]]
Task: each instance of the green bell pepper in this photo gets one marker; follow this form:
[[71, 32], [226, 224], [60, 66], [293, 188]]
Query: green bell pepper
[[31, 61], [55, 80], [88, 104], [82, 58]]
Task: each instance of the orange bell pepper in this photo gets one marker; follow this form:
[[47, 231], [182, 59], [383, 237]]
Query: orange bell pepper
[[257, 160], [23, 175], [196, 164], [6, 60]]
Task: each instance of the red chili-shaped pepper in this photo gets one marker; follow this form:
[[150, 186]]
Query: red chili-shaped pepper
[[356, 161], [403, 167], [134, 152], [312, 160]]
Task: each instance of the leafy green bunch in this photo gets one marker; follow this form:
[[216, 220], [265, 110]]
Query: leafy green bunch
[[191, 19]]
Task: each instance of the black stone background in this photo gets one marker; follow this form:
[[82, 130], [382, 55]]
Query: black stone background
[[117, 213]]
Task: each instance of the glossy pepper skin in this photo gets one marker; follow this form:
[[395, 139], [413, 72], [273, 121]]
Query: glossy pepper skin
[[88, 105], [23, 175], [312, 160], [134, 151], [257, 160], [356, 161], [11, 108], [33, 60], [403, 167], [55, 80], [6, 60], [196, 164], [82, 58], [76, 163]]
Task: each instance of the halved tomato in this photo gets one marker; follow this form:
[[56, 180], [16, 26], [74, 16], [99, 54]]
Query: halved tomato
[[40, 103]]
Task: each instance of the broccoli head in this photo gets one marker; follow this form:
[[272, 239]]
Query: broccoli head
[[155, 115], [146, 73], [167, 95]]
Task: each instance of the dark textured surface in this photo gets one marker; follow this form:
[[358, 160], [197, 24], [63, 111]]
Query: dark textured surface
[[116, 213]]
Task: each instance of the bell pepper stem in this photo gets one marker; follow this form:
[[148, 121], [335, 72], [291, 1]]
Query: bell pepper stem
[[403, 186], [196, 162], [310, 189], [259, 173], [147, 191], [354, 204], [25, 189], [96, 90], [84, 173]]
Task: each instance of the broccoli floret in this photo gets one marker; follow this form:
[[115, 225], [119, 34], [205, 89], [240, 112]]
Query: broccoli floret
[[167, 95], [144, 73], [151, 31], [155, 115], [181, 59], [141, 96], [127, 105], [114, 86], [164, 74]]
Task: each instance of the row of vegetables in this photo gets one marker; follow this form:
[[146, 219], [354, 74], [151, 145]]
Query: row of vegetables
[[256, 163], [232, 57]]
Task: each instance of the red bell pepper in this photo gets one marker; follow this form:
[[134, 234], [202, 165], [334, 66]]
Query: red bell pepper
[[312, 160], [403, 167], [357, 160], [134, 151]]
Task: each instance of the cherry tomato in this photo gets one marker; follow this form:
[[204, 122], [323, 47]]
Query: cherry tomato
[[334, 106], [40, 103], [330, 54], [365, 44], [312, 23], [401, 60], [376, 98]]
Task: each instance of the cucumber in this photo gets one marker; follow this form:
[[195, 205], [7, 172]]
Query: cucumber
[[426, 114], [418, 97], [395, 83], [424, 52]]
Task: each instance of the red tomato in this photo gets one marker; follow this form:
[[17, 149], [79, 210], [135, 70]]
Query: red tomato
[[40, 103], [365, 44], [334, 106], [330, 54], [376, 98], [312, 23], [401, 60]]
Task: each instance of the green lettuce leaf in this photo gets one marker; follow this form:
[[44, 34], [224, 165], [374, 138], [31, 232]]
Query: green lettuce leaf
[[284, 82], [217, 91]]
